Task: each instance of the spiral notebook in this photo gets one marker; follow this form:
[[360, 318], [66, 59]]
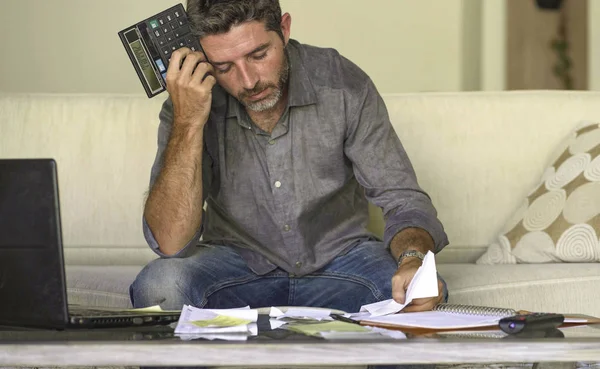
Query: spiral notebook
[[449, 317]]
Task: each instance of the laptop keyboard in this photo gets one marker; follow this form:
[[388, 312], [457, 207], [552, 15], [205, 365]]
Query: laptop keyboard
[[83, 317], [83, 311]]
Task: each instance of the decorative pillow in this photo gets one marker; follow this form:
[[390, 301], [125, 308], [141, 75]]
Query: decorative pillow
[[560, 219]]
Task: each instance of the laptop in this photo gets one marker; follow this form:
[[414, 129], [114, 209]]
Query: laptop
[[33, 291]]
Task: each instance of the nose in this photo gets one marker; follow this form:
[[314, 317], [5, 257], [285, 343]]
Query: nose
[[248, 76]]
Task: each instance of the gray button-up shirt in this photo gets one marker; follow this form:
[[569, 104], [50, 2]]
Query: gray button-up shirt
[[296, 198]]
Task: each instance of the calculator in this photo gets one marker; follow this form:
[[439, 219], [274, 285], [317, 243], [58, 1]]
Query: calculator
[[151, 42]]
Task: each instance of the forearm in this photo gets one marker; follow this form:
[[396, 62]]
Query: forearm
[[173, 209], [411, 239]]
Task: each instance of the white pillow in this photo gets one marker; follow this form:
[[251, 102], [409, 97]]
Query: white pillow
[[559, 221]]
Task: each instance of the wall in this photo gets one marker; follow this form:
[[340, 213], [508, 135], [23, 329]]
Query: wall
[[71, 46], [471, 42], [594, 44], [493, 45], [405, 45]]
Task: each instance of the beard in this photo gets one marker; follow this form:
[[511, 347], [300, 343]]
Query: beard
[[271, 100]]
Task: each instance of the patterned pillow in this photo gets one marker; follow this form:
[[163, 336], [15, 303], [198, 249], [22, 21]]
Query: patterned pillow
[[560, 219]]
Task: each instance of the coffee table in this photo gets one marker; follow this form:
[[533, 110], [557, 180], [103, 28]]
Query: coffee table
[[157, 346]]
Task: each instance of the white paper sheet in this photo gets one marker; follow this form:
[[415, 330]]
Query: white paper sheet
[[190, 314], [251, 330], [301, 313], [277, 323], [424, 284]]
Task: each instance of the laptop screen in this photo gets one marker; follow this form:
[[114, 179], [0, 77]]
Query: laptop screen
[[26, 206], [32, 280]]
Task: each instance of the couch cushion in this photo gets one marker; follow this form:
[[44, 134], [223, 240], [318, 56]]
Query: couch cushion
[[564, 288], [559, 220], [102, 286]]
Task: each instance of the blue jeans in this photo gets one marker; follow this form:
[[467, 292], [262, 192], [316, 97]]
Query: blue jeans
[[217, 277]]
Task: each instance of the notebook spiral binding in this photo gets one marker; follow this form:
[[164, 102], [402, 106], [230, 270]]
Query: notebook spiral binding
[[472, 334], [475, 310]]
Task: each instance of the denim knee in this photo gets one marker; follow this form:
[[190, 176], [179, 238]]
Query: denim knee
[[162, 282]]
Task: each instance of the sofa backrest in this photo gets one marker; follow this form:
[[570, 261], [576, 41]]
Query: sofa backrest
[[104, 146], [476, 154]]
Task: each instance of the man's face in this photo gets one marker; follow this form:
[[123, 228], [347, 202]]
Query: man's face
[[250, 64]]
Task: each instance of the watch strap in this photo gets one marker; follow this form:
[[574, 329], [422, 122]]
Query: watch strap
[[410, 254]]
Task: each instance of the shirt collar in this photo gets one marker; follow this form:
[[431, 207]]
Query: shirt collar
[[301, 91]]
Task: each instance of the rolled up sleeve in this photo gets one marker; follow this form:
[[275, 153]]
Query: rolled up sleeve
[[383, 168], [187, 250]]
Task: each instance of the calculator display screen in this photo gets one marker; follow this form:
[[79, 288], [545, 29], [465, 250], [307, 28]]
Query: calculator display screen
[[141, 57]]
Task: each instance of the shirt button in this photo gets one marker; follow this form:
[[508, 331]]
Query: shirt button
[[271, 142], [298, 264], [286, 228], [277, 184]]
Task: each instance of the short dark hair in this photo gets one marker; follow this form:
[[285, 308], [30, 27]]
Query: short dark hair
[[213, 17]]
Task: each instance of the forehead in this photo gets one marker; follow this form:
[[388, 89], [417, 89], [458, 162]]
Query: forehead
[[239, 41]]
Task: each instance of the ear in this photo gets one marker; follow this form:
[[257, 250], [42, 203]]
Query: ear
[[286, 25]]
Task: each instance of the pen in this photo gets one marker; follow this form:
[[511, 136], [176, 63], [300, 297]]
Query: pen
[[343, 318]]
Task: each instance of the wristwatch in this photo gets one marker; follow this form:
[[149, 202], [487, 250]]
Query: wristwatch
[[410, 254]]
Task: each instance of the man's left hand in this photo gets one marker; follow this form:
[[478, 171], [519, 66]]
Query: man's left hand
[[400, 281]]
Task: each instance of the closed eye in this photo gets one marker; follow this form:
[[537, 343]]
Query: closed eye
[[259, 57], [224, 70]]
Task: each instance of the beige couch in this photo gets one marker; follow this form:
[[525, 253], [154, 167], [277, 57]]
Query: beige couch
[[477, 154]]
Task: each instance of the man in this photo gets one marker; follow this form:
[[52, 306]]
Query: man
[[285, 143]]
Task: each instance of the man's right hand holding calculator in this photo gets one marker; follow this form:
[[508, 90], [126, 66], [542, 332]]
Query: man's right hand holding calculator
[[190, 81]]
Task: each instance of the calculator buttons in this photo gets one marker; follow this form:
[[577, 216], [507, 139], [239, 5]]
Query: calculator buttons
[[170, 31], [160, 65], [182, 31], [160, 35]]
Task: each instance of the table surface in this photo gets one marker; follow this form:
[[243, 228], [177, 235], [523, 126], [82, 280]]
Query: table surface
[[157, 346]]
